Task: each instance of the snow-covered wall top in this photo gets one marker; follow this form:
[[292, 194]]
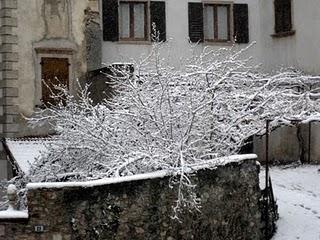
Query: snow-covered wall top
[[159, 174]]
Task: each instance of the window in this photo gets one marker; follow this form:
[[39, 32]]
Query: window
[[54, 71], [131, 20], [217, 22], [283, 17]]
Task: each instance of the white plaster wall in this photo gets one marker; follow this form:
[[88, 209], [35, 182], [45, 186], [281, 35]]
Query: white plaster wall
[[177, 33], [300, 50]]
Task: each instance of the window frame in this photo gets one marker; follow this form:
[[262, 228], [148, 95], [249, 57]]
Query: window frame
[[216, 4], [131, 24], [284, 32]]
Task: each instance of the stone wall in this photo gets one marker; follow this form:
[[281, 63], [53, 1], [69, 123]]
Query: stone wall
[[8, 68], [141, 209], [288, 144]]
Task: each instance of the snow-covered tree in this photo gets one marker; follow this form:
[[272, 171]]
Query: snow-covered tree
[[162, 117]]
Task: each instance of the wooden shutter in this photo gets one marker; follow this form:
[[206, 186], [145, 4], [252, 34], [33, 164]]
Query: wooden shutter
[[241, 23], [110, 20], [278, 14], [195, 11], [54, 72], [158, 16], [283, 22]]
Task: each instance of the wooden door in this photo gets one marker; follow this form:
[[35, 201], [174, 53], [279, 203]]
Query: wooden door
[[54, 71]]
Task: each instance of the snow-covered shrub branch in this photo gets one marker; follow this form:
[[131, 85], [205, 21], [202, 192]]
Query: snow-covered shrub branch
[[164, 118]]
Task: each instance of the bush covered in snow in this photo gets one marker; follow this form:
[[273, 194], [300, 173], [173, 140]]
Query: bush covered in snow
[[167, 118]]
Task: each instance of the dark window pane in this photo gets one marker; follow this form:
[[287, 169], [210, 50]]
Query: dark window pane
[[283, 21]]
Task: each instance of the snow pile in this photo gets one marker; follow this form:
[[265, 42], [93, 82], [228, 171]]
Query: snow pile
[[297, 191]]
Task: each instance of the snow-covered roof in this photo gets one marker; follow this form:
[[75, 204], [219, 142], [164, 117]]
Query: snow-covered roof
[[25, 151]]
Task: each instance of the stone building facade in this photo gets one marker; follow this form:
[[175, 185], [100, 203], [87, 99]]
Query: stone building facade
[[39, 39], [33, 32]]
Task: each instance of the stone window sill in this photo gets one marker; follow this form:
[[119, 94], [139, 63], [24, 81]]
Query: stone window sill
[[134, 42], [218, 43], [283, 34]]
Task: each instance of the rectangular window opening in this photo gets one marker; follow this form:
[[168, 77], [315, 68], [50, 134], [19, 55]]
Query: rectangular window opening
[[133, 21], [217, 22], [283, 16], [54, 72]]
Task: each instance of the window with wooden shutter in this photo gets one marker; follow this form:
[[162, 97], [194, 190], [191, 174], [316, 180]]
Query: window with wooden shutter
[[212, 22], [158, 18], [130, 20], [241, 23], [283, 17], [217, 22], [133, 21], [195, 13]]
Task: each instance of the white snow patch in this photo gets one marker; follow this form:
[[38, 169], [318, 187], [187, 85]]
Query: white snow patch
[[297, 191], [14, 214], [158, 174]]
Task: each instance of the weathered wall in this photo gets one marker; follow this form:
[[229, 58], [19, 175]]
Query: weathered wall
[[51, 28], [141, 209], [288, 144]]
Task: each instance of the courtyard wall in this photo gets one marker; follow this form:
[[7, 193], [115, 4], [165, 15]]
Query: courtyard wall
[[141, 209]]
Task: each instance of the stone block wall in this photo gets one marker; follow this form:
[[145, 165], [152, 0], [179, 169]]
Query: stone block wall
[[141, 209], [8, 68]]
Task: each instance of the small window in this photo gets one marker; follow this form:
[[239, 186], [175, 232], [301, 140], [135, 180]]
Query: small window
[[217, 22], [54, 72], [129, 20], [212, 22], [283, 16], [133, 21]]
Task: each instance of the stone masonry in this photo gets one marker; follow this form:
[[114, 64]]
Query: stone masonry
[[9, 68], [230, 196]]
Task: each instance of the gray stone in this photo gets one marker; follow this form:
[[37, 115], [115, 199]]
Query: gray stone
[[142, 209]]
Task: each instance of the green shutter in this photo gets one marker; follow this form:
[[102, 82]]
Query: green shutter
[[195, 12], [241, 23], [110, 20], [158, 17]]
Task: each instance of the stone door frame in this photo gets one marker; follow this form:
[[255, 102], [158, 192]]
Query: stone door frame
[[52, 53]]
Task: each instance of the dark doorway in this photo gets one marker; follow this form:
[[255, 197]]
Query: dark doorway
[[54, 71]]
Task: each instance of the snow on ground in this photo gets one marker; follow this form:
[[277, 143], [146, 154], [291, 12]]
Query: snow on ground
[[297, 190]]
